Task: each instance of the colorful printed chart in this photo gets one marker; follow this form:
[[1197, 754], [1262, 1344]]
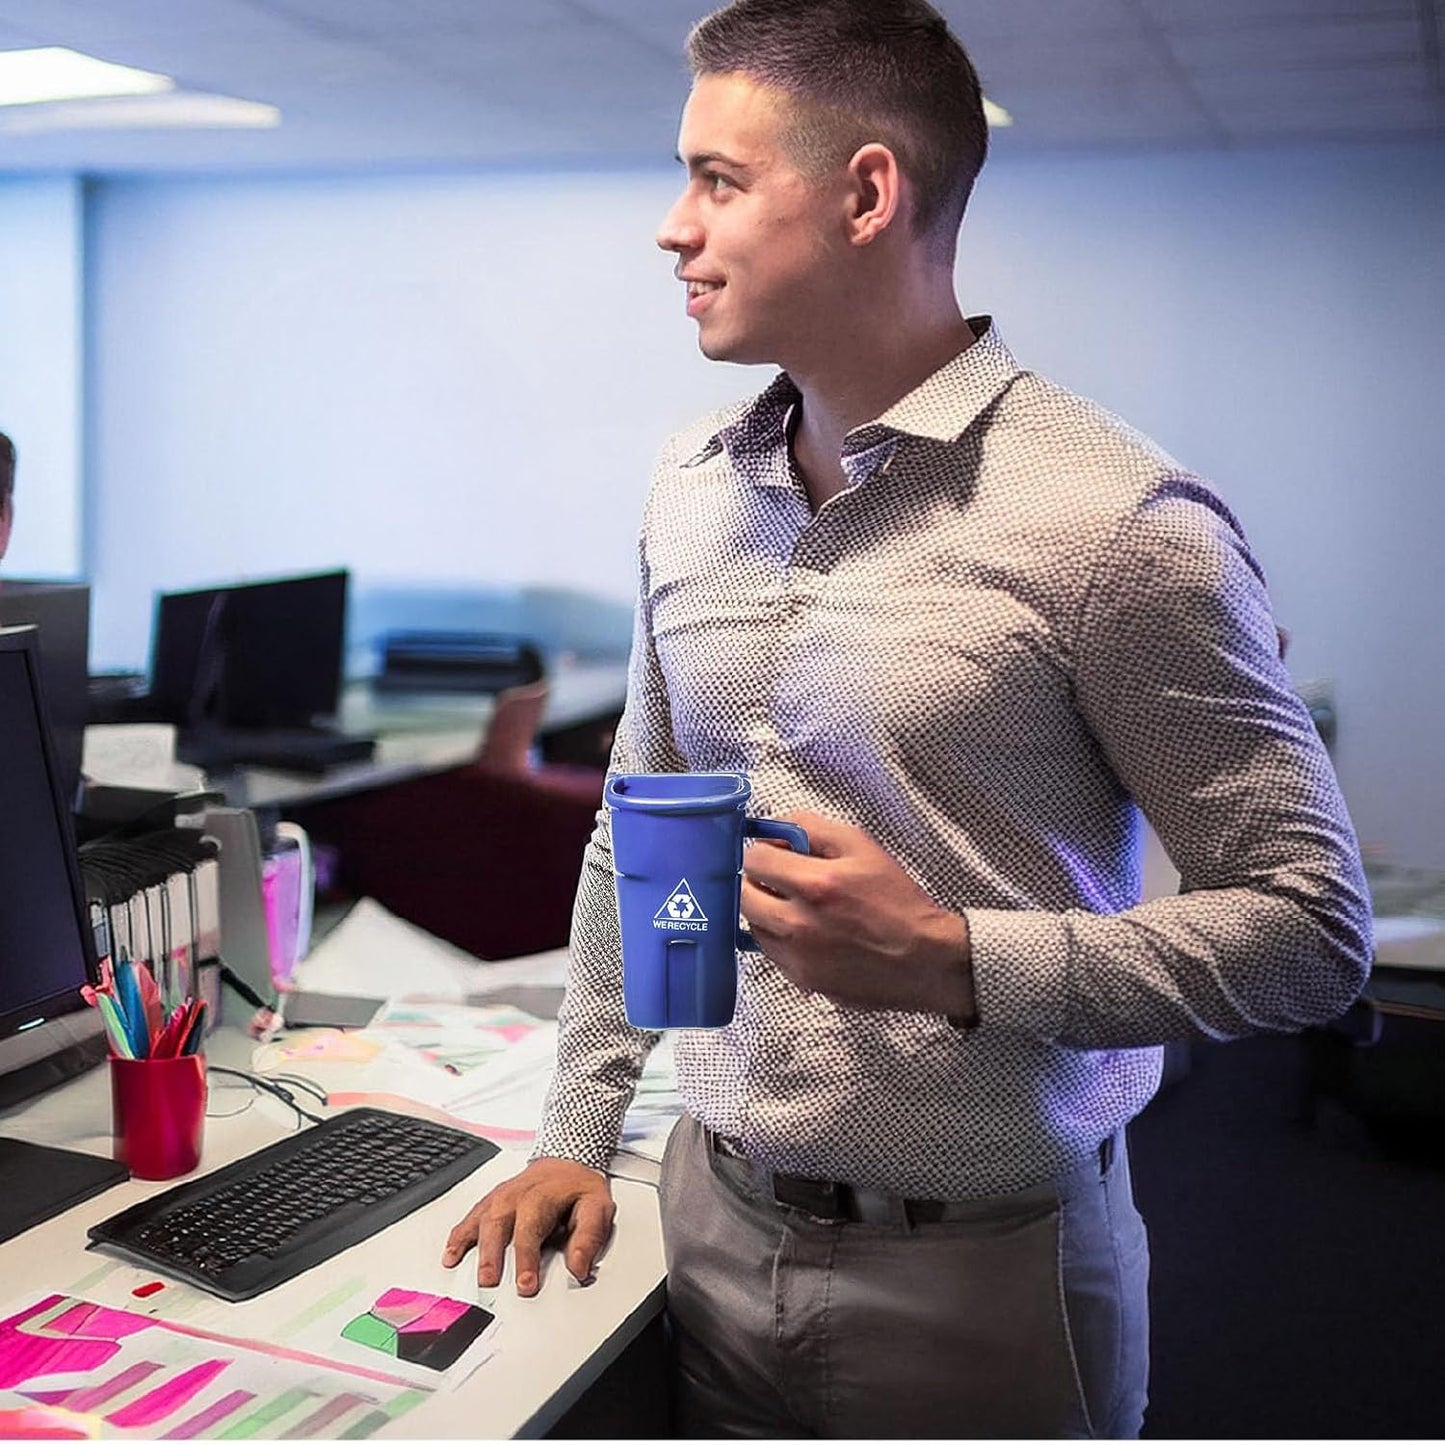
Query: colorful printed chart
[[143, 1377], [423, 1329], [453, 1037]]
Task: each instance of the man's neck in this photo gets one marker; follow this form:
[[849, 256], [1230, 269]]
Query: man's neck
[[858, 383]]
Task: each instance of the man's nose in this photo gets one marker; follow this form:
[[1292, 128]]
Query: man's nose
[[679, 231]]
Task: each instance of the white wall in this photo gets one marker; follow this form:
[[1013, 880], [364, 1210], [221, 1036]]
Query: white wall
[[456, 378], [41, 282], [465, 377]]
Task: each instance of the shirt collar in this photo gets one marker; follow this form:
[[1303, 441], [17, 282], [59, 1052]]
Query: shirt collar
[[941, 409]]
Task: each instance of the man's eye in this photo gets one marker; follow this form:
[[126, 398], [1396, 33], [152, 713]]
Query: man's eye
[[716, 183]]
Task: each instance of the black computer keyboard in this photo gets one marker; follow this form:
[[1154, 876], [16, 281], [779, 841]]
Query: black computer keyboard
[[254, 1224], [292, 750]]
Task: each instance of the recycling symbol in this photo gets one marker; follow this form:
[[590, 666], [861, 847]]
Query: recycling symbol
[[681, 911]]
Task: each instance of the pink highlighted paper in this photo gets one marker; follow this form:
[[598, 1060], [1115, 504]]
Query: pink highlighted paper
[[167, 1398], [82, 1368], [82, 1338], [409, 1309]]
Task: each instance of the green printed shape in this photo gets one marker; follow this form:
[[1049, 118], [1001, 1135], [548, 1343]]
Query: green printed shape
[[370, 1423], [375, 1334], [407, 1400], [365, 1427], [254, 1423]]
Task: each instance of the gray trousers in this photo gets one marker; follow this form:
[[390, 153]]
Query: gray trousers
[[1024, 1315]]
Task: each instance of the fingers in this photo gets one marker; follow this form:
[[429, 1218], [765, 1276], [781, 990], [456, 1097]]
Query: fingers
[[525, 1212], [779, 870], [461, 1239], [492, 1240], [790, 874], [827, 837], [765, 910], [533, 1225], [591, 1228]]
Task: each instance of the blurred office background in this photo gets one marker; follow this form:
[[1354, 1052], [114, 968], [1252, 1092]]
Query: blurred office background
[[419, 328]]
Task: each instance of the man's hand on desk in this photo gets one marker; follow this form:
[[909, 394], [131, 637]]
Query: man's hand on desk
[[549, 1197]]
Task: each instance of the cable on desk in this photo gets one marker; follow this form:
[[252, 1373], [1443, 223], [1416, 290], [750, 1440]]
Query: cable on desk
[[307, 1086], [275, 1089]]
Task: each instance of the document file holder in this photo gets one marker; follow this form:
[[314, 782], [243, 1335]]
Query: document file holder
[[155, 899]]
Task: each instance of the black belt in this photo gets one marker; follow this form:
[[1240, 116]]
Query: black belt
[[828, 1199]]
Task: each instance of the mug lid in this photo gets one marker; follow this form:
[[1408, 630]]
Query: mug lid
[[677, 792]]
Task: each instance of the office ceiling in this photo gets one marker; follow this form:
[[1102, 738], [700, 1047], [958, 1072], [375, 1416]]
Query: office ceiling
[[408, 83]]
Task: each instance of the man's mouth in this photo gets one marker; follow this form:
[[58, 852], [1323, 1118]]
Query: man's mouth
[[700, 294]]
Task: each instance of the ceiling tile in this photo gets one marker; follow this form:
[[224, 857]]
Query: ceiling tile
[[1045, 22], [1267, 47], [442, 82], [1309, 90], [663, 25], [1203, 16]]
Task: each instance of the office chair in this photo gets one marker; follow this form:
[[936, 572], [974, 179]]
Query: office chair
[[486, 856], [509, 743]]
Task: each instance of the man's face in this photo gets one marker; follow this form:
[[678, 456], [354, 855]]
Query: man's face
[[757, 243]]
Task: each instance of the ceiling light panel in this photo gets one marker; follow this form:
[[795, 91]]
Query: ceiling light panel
[[54, 72]]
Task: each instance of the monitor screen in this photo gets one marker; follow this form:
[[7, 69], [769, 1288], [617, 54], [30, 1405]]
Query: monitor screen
[[261, 654], [46, 951], [61, 610]]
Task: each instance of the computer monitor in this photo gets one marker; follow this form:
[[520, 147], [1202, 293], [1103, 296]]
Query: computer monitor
[[257, 655], [47, 950], [61, 610]]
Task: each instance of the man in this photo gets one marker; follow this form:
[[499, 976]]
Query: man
[[7, 491], [958, 623]]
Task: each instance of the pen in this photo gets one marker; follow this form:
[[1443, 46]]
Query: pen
[[111, 1019], [191, 1043], [115, 1027], [132, 1009]]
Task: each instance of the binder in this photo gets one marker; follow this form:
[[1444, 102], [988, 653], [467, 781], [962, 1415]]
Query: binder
[[154, 898], [188, 901]]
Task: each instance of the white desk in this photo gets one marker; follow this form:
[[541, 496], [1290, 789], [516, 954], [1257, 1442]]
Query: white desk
[[420, 734], [550, 1347]]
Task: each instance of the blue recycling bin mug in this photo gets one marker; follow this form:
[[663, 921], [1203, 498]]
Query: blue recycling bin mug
[[677, 850]]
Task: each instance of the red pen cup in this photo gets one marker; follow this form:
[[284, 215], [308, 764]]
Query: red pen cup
[[158, 1114]]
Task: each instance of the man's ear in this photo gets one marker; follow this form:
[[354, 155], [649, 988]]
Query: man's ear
[[7, 515], [876, 197]]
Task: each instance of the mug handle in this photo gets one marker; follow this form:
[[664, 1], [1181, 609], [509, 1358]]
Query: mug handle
[[790, 833]]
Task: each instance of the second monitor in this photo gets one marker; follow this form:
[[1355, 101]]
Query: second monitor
[[247, 672], [257, 655]]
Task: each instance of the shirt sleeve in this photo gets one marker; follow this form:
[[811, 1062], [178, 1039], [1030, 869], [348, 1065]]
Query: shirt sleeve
[[599, 1054], [1178, 676]]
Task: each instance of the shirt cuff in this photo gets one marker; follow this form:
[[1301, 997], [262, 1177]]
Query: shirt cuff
[[589, 1136], [1020, 970]]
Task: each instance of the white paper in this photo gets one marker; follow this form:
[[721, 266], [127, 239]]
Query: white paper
[[136, 755], [372, 951], [143, 1377]]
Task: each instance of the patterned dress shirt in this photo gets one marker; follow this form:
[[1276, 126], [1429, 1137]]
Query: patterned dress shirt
[[1019, 624]]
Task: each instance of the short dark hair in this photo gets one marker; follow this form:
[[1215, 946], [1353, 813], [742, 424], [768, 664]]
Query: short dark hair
[[857, 71], [7, 468]]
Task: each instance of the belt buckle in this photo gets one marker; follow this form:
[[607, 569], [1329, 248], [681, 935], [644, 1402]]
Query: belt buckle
[[821, 1198]]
